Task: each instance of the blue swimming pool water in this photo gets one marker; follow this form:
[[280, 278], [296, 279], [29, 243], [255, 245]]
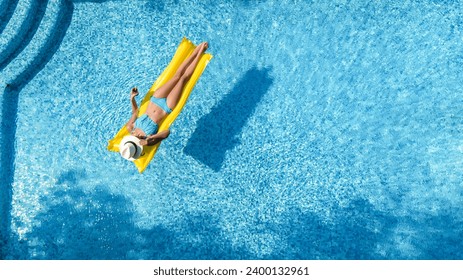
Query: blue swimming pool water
[[320, 130]]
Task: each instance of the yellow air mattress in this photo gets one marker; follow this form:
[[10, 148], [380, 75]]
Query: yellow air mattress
[[185, 48]]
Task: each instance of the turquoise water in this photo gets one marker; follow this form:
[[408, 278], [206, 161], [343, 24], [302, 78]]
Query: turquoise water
[[320, 130]]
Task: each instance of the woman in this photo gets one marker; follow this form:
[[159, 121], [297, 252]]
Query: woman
[[162, 102]]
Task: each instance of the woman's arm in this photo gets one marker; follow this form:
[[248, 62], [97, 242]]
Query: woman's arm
[[133, 102], [155, 138], [134, 93]]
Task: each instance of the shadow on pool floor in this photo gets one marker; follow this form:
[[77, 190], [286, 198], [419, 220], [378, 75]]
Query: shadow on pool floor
[[217, 132], [77, 224], [99, 225]]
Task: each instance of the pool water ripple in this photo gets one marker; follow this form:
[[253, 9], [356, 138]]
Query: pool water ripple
[[321, 130]]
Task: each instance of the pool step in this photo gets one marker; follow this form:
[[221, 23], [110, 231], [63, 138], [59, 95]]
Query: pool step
[[41, 43], [13, 25], [7, 8], [20, 29], [13, 29]]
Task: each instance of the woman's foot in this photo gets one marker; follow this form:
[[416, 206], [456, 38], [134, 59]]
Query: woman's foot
[[203, 46], [200, 49]]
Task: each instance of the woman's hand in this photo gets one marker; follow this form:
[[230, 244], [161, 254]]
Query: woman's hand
[[133, 93]]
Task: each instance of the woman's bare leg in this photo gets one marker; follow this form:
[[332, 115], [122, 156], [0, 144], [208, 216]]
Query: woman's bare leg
[[165, 89], [174, 96]]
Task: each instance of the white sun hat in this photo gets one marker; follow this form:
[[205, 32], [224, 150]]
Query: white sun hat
[[130, 148]]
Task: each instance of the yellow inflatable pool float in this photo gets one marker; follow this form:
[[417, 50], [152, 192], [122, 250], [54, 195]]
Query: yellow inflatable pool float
[[184, 50]]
